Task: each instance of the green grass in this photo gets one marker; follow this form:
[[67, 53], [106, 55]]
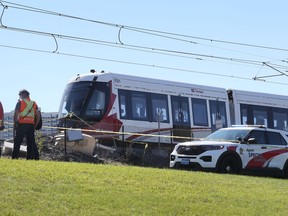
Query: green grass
[[65, 188]]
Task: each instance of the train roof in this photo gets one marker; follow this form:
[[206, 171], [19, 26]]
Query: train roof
[[107, 76], [259, 98], [153, 85]]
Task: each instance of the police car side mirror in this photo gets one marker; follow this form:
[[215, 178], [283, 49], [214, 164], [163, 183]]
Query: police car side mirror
[[252, 141]]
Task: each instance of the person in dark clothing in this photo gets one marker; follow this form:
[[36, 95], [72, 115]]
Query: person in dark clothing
[[26, 117], [1, 117]]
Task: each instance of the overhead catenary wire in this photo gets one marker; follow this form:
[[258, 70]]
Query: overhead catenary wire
[[140, 64], [138, 29], [131, 28], [135, 47], [162, 51]]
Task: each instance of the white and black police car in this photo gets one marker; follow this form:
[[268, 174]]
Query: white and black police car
[[235, 149]]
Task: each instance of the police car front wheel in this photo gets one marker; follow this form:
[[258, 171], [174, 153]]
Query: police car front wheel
[[228, 165]]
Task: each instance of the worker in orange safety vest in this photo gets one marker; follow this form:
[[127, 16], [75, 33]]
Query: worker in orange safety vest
[[26, 117]]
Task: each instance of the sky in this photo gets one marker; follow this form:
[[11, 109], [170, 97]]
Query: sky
[[230, 44]]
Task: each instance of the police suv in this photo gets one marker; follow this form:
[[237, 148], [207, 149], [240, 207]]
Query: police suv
[[235, 149]]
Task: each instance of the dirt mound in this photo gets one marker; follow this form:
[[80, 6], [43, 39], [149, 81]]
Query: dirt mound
[[138, 157]]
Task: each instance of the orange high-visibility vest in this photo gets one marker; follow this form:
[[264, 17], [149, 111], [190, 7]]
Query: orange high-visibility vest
[[27, 111]]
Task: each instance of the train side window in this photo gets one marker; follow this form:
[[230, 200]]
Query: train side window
[[139, 105], [180, 110], [199, 109], [160, 107], [257, 115], [280, 119], [218, 114], [123, 104], [260, 117], [244, 115]]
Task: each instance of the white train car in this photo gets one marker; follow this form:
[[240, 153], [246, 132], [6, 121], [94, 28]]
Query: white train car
[[256, 108], [137, 109]]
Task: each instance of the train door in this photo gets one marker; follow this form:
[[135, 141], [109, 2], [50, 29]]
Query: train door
[[181, 118]]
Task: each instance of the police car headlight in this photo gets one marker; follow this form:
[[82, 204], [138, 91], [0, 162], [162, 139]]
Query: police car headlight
[[172, 157]]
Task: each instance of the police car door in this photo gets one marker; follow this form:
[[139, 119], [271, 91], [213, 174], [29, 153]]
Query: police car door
[[277, 151], [253, 150]]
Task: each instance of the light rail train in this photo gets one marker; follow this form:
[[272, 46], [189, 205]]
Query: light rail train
[[131, 109]]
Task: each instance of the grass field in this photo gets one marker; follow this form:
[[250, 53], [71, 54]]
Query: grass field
[[65, 188]]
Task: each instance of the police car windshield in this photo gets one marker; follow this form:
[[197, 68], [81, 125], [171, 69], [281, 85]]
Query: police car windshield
[[228, 135]]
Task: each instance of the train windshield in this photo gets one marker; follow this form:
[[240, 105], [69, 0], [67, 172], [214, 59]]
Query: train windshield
[[86, 100]]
